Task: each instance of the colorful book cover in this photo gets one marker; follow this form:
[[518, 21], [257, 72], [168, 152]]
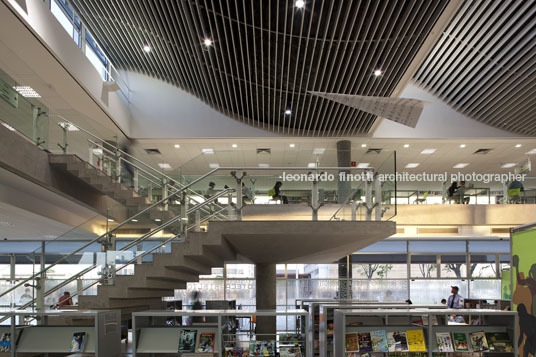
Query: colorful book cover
[[289, 339], [397, 341], [5, 342], [365, 342], [77, 343], [379, 341], [499, 342], [478, 341], [415, 340], [262, 348], [288, 351], [444, 342], [460, 342], [352, 344], [206, 342], [187, 341]]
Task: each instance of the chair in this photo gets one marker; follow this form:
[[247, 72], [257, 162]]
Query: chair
[[423, 199]]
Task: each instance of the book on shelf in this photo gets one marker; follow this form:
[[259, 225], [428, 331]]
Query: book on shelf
[[499, 342], [288, 351], [460, 342], [416, 341], [235, 352], [444, 342], [397, 341], [365, 342], [425, 320], [262, 348], [478, 341], [77, 342], [351, 342], [206, 342], [187, 341], [5, 342], [379, 341], [290, 339]]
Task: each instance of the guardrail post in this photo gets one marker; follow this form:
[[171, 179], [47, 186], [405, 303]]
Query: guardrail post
[[118, 167], [184, 214], [353, 204], [149, 191], [165, 194], [91, 155], [368, 200], [230, 208], [315, 205], [197, 227], [135, 180], [505, 193], [239, 175], [378, 189], [63, 146]]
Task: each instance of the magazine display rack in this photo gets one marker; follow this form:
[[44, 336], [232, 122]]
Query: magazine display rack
[[326, 317], [150, 337], [418, 331], [98, 331]]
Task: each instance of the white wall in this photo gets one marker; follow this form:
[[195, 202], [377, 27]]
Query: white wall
[[162, 110], [437, 120]]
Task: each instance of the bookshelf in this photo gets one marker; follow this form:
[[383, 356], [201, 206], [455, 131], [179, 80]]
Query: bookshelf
[[149, 336], [432, 322], [55, 329]]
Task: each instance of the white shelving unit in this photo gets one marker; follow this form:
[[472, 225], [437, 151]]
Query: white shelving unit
[[150, 338], [103, 336], [401, 320]]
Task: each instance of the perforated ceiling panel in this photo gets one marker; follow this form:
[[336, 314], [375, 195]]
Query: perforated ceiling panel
[[268, 55], [484, 64]]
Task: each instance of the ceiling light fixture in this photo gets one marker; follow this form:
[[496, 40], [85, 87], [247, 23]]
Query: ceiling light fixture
[[518, 145], [207, 151], [214, 166], [428, 151], [8, 126], [134, 220], [288, 112], [292, 145], [147, 48], [264, 166], [207, 42], [363, 165], [27, 91], [318, 151], [177, 146], [406, 145], [462, 145], [508, 165], [110, 220], [412, 165], [311, 165], [363, 145], [234, 146], [165, 166], [378, 72], [300, 4], [460, 165], [531, 152], [157, 220]]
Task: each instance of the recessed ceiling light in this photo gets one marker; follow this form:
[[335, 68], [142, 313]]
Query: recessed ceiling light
[[291, 145], [8, 126], [147, 48], [363, 165], [134, 220], [518, 145], [164, 165], [97, 151], [318, 151], [412, 165], [406, 145], [177, 146], [288, 112], [110, 220], [234, 145], [378, 72], [157, 220], [363, 145], [207, 151], [299, 4], [207, 42], [27, 91], [462, 145], [264, 165], [214, 166], [428, 151], [460, 165], [508, 165], [311, 165], [531, 152]]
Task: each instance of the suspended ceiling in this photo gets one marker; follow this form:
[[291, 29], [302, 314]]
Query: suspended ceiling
[[267, 55]]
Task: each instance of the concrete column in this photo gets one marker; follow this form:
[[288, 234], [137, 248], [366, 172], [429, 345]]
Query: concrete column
[[345, 278], [344, 157], [265, 292]]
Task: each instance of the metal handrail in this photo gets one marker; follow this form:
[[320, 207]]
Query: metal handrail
[[346, 201]]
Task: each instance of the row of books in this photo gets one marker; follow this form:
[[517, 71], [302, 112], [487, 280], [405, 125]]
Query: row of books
[[189, 342], [263, 348], [5, 342], [479, 342], [382, 341]]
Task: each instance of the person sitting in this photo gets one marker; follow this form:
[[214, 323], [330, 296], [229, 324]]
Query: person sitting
[[247, 194], [65, 300], [210, 191], [451, 190], [514, 191], [443, 301], [276, 193]]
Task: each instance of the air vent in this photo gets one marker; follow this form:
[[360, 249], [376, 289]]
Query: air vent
[[400, 230], [438, 230], [374, 151], [264, 151], [500, 230], [482, 151], [153, 151]]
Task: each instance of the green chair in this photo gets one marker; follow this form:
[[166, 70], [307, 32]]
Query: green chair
[[423, 199]]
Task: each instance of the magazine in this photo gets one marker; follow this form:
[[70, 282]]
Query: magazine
[[460, 342], [289, 339], [499, 342], [187, 341], [397, 341], [262, 348], [416, 341], [290, 351], [77, 343], [478, 341], [365, 343], [206, 342], [444, 342], [5, 342], [352, 344], [379, 341]]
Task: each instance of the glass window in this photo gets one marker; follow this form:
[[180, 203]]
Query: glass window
[[380, 290], [321, 271], [386, 247], [423, 266], [215, 273], [453, 266], [433, 290], [485, 289], [440, 247], [483, 266], [65, 15], [489, 246], [241, 271], [379, 271], [243, 291]]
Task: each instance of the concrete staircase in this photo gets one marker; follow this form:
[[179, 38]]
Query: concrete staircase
[[168, 271]]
